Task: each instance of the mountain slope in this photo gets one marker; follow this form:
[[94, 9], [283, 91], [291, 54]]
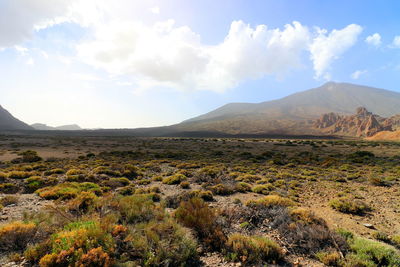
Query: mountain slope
[[9, 122], [331, 97], [294, 113]]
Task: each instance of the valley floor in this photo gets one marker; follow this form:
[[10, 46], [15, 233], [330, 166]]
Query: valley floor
[[198, 201]]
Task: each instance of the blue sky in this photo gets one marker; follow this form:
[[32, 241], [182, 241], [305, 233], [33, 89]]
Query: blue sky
[[148, 63]]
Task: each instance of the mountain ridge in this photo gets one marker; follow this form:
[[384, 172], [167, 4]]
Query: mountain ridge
[[345, 93], [45, 127], [9, 122], [293, 113]]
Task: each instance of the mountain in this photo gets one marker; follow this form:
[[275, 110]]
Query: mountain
[[9, 122], [295, 113], [44, 127]]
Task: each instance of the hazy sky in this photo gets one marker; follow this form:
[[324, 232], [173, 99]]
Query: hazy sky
[[127, 63]]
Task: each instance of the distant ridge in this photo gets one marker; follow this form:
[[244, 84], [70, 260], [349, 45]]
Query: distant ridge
[[44, 127], [9, 122]]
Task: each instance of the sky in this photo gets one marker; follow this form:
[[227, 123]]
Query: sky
[[137, 63]]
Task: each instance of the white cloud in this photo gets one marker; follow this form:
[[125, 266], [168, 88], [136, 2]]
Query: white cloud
[[396, 42], [21, 50], [356, 75], [155, 10], [20, 18], [326, 48], [166, 55], [374, 39], [30, 61]]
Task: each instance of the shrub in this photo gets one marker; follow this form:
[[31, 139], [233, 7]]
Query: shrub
[[197, 215], [30, 156], [117, 182], [331, 258], [252, 249], [378, 181], [271, 200], [131, 171], [95, 257], [372, 253], [8, 200], [222, 189], [305, 216], [83, 203], [174, 179], [3, 176], [164, 243], [18, 174], [34, 183], [106, 170], [248, 178], [9, 188], [71, 172], [54, 171], [185, 185], [137, 208], [242, 187], [16, 235], [67, 190], [347, 205], [395, 240], [263, 189], [70, 245]]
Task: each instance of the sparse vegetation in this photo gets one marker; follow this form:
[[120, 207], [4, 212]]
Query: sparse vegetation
[[178, 202]]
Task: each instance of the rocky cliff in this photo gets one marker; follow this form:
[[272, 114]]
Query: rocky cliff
[[361, 124]]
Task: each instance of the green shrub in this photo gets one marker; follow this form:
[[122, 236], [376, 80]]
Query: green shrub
[[67, 190], [137, 208], [347, 205], [205, 195], [252, 249], [19, 174], [70, 245], [264, 189], [34, 183], [222, 189], [242, 187], [248, 178], [117, 182], [131, 171], [270, 201], [366, 252], [164, 242], [329, 258], [54, 171], [174, 179]]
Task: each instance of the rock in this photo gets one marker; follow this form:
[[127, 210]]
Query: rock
[[369, 226], [362, 124]]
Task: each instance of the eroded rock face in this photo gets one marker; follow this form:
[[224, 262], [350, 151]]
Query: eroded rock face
[[362, 124]]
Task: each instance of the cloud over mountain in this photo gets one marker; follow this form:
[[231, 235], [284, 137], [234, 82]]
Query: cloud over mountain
[[163, 54]]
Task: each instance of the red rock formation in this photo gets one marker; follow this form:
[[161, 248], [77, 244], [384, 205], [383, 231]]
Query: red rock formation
[[362, 124]]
